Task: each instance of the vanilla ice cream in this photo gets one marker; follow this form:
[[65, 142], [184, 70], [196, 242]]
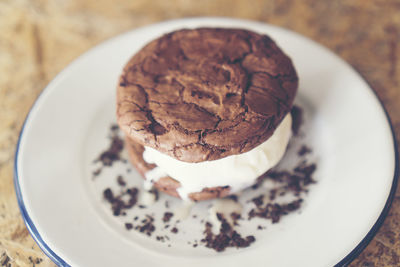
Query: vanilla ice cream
[[236, 171]]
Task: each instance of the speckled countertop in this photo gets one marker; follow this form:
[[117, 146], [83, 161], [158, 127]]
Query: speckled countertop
[[38, 38]]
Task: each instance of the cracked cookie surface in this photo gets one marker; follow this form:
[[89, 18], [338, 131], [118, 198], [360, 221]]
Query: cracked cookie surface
[[206, 93]]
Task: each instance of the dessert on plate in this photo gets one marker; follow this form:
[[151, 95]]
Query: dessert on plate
[[206, 111]]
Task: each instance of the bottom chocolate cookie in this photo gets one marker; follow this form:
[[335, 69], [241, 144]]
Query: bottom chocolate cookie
[[167, 184]]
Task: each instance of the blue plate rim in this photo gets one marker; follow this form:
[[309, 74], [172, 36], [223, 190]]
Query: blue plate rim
[[25, 216]]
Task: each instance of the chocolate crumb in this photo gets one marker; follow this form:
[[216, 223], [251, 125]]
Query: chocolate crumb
[[306, 171], [233, 197], [297, 119], [272, 194], [295, 181], [121, 181], [118, 206], [258, 201], [227, 237], [128, 226], [96, 172], [136, 218], [160, 238], [155, 193], [174, 230], [250, 239], [255, 186], [114, 128], [108, 195], [167, 216], [275, 211], [304, 150], [235, 217], [195, 245], [112, 154], [147, 226]]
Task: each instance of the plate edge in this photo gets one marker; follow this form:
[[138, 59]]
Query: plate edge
[[25, 216], [379, 222]]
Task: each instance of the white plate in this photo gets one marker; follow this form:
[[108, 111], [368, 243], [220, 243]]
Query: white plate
[[67, 126]]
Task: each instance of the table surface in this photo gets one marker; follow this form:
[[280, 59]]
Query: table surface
[[39, 38]]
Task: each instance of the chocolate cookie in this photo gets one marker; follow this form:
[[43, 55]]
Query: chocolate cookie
[[167, 184], [206, 93]]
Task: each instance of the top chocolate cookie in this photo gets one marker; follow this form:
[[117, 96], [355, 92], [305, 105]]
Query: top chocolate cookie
[[206, 93]]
